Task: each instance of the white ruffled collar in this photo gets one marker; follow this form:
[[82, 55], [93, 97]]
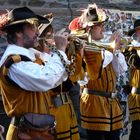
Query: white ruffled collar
[[15, 50]]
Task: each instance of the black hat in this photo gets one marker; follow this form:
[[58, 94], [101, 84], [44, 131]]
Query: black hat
[[136, 26], [23, 15]]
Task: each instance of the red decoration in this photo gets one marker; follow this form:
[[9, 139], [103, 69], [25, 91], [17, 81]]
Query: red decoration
[[75, 24], [3, 20]]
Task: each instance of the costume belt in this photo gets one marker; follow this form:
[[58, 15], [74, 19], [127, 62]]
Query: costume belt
[[60, 99], [100, 93], [135, 90]]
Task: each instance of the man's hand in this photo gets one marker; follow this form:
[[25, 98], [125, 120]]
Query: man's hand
[[116, 36], [61, 40]]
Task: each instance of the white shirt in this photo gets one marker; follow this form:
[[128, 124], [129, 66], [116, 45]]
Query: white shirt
[[136, 44], [32, 76], [119, 63], [107, 56], [117, 59]]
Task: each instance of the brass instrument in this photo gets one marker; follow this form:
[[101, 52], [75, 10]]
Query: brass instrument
[[128, 45], [96, 46], [125, 41], [78, 42]]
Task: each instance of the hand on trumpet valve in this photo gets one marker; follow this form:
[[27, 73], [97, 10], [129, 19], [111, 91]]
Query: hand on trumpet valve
[[116, 38], [61, 39]]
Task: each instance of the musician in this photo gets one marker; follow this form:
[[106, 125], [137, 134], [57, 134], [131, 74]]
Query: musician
[[133, 60], [101, 113], [26, 78], [59, 101]]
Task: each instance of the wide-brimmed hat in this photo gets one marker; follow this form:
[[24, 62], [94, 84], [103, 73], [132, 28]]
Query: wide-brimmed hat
[[43, 26], [23, 15], [92, 15], [136, 26]]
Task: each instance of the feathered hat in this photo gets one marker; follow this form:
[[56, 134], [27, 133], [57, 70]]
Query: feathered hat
[[20, 15], [90, 16], [76, 26], [93, 15]]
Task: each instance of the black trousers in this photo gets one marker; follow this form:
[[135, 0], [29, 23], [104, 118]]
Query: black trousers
[[135, 131], [4, 119], [103, 135]]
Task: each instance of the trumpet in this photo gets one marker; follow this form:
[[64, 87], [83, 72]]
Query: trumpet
[[98, 46], [76, 43], [130, 47], [94, 46], [129, 43], [125, 42]]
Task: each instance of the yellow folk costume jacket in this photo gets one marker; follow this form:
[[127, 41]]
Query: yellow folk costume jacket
[[133, 60], [98, 112], [64, 113], [21, 97], [18, 101]]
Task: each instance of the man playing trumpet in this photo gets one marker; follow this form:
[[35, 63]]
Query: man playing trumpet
[[101, 114], [133, 61]]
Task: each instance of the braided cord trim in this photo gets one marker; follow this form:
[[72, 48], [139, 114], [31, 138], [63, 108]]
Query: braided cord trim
[[53, 49]]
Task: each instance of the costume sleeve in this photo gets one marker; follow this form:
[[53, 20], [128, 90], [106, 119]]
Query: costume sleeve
[[132, 58], [96, 61], [34, 77], [78, 69]]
